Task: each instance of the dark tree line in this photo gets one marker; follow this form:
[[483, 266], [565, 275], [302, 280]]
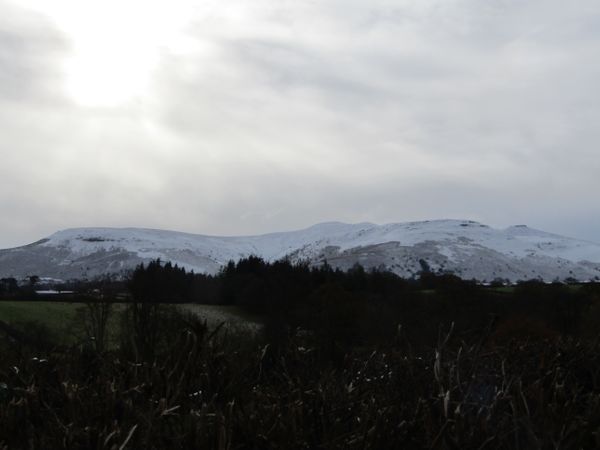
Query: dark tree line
[[159, 282], [363, 306], [8, 286]]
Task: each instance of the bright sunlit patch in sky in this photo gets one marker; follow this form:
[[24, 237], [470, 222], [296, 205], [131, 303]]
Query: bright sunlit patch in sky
[[115, 45]]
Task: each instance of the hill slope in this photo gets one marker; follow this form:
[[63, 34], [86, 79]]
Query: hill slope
[[467, 248]]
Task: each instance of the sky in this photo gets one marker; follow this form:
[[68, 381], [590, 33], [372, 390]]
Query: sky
[[236, 117]]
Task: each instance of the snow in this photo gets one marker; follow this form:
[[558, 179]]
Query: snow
[[466, 247], [516, 241]]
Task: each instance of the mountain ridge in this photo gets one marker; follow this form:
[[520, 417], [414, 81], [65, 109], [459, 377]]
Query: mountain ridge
[[465, 247]]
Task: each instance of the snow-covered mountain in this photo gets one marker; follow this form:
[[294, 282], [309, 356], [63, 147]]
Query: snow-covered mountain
[[466, 248]]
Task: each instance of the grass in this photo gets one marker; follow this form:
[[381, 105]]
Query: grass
[[57, 317], [52, 314], [206, 391], [62, 318], [233, 316], [503, 289], [428, 291]]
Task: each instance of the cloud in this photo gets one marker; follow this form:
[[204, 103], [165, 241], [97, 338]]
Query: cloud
[[29, 46], [269, 115]]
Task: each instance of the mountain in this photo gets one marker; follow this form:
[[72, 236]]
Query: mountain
[[466, 248]]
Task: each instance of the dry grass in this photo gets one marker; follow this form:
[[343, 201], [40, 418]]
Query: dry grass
[[225, 391]]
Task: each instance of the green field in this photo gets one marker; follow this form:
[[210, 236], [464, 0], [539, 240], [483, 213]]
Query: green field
[[63, 320], [60, 318], [52, 314], [233, 316]]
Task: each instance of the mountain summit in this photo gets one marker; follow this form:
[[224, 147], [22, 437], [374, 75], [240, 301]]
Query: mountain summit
[[464, 247]]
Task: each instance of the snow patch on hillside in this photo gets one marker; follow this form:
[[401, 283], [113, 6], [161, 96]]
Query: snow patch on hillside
[[466, 247], [516, 241]]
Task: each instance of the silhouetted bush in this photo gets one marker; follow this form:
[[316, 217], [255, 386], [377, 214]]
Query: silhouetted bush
[[211, 389]]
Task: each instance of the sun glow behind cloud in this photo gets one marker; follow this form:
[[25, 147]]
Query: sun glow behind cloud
[[115, 45]]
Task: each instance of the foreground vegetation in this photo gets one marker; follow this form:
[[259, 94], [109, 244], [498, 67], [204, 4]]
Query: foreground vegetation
[[63, 322], [344, 360]]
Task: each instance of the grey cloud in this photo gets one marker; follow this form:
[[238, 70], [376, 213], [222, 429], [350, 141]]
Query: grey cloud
[[29, 49], [493, 91], [308, 111]]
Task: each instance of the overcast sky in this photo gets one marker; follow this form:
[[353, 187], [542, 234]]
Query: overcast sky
[[250, 116]]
